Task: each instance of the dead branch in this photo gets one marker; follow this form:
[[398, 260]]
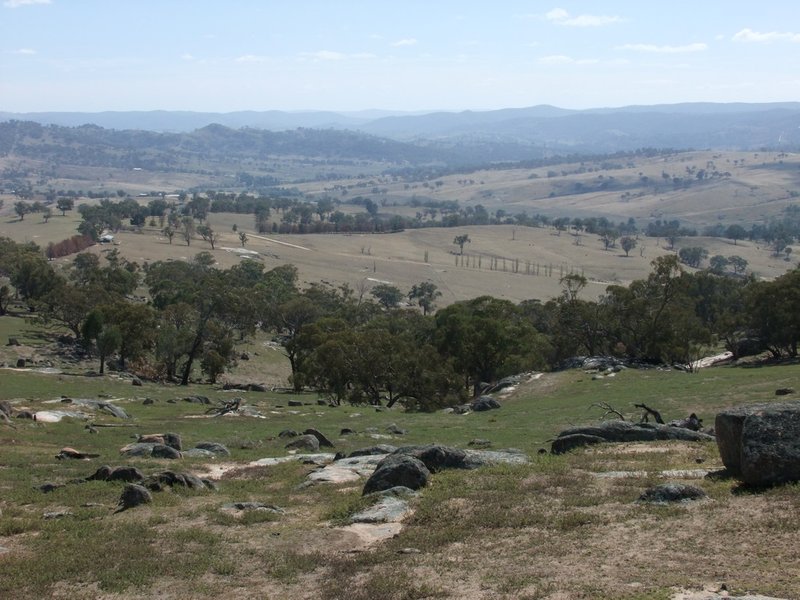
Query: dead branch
[[609, 410], [227, 407], [649, 411]]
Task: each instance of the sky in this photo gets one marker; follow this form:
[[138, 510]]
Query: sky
[[400, 55]]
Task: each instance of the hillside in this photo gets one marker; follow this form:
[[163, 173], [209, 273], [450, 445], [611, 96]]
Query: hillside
[[566, 526]]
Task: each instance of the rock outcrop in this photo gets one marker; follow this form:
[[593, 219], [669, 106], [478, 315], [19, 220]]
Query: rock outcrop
[[622, 431]]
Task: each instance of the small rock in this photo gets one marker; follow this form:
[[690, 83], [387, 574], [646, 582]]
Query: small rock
[[295, 403], [480, 443], [133, 495], [58, 514], [136, 382], [12, 341], [48, 487], [288, 433], [214, 447], [408, 551], [197, 399], [395, 430], [304, 442], [346, 431], [148, 401], [672, 492], [784, 391], [126, 474], [164, 451], [323, 441], [253, 506], [197, 453], [101, 474], [484, 403], [74, 454], [373, 450], [173, 440]]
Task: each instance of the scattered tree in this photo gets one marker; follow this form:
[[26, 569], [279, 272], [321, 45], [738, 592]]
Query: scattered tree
[[425, 294], [628, 243], [387, 295], [460, 240], [693, 255], [64, 204]]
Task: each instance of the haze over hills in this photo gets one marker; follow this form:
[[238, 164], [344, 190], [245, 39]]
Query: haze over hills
[[507, 134]]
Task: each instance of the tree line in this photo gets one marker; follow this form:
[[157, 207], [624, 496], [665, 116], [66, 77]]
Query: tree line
[[378, 345]]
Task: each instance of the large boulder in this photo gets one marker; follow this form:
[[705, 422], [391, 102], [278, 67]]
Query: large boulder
[[623, 431], [760, 443], [398, 470]]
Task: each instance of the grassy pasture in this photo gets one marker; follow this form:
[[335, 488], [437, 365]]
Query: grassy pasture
[[555, 528]]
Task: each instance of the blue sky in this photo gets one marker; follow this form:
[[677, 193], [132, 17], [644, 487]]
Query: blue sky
[[94, 55]]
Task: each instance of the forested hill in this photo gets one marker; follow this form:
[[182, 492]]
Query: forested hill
[[90, 145]]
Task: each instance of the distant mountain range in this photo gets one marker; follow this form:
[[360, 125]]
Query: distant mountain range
[[468, 137]]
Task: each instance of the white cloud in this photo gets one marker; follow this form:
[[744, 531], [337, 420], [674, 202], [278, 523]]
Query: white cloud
[[25, 51], [562, 17], [652, 48], [187, 56], [18, 3], [748, 35], [405, 42]]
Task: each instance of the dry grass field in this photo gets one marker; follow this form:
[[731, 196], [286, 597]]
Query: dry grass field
[[758, 187], [530, 261]]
